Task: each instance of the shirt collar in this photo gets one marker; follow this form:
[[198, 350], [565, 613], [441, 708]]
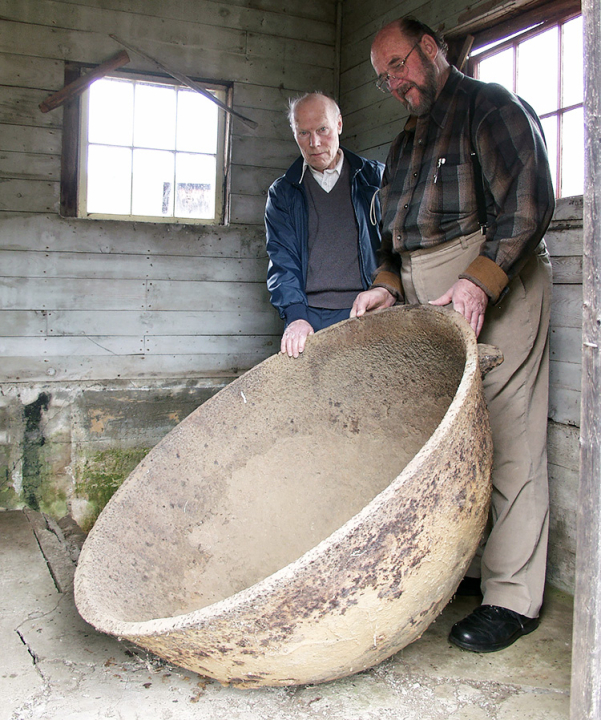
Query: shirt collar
[[315, 173], [442, 104]]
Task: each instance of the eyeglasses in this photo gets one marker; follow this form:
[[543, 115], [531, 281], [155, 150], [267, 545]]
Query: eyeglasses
[[398, 70]]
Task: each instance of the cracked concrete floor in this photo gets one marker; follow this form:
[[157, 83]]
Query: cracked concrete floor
[[54, 665]]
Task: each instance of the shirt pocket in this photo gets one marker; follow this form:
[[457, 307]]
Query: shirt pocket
[[452, 190]]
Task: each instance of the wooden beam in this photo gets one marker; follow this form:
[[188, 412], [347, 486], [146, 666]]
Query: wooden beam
[[585, 697], [185, 80], [70, 148], [78, 86], [464, 53]]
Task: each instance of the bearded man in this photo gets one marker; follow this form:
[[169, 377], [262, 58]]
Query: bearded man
[[467, 197]]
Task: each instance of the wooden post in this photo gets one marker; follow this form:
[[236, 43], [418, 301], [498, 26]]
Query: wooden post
[[586, 648]]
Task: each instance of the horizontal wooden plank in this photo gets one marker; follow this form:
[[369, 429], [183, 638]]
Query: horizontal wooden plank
[[564, 405], [566, 375], [22, 323], [30, 72], [30, 196], [81, 265], [565, 344], [568, 209], [247, 208], [196, 57], [566, 306], [247, 95], [88, 346], [253, 180], [134, 367], [94, 294], [104, 345], [358, 15], [564, 241], [30, 166], [51, 232], [382, 110], [293, 22], [262, 346], [261, 45], [273, 124], [183, 322], [567, 270], [360, 79], [63, 19], [80, 294], [380, 137], [206, 296], [19, 106], [256, 152], [25, 139]]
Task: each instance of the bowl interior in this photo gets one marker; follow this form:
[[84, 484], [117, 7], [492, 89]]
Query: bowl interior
[[273, 464]]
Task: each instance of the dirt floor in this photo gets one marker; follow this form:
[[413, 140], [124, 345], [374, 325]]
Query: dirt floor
[[55, 666]]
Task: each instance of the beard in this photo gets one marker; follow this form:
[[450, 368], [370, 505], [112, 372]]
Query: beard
[[428, 90]]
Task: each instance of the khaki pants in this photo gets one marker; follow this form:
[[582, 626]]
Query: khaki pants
[[513, 559]]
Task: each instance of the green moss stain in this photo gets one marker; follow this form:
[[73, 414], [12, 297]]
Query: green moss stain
[[102, 475], [34, 470], [40, 460]]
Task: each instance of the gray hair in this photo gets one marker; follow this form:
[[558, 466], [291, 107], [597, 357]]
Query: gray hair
[[293, 103]]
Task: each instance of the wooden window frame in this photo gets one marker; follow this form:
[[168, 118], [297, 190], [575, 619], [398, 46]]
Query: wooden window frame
[[71, 153]]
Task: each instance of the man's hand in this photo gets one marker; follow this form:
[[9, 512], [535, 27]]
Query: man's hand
[[373, 299], [469, 300], [294, 338]]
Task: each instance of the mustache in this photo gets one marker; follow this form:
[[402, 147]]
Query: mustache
[[405, 87]]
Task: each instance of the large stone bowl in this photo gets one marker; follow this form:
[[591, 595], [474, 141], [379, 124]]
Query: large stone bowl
[[313, 517]]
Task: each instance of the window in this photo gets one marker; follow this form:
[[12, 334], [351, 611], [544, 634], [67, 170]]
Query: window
[[544, 65], [149, 149]]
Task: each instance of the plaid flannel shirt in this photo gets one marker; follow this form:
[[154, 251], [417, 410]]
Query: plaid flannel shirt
[[428, 192]]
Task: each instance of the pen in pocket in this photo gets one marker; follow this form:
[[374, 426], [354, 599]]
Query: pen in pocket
[[441, 161]]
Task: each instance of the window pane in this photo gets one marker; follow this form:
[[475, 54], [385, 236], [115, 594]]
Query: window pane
[[153, 183], [196, 123], [498, 68], [109, 179], [537, 77], [573, 63], [550, 129], [195, 178], [154, 125], [111, 112], [572, 172]]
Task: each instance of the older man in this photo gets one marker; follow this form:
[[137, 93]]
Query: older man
[[322, 221], [467, 197]]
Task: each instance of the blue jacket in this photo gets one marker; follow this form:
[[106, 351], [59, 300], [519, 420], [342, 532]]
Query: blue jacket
[[287, 227]]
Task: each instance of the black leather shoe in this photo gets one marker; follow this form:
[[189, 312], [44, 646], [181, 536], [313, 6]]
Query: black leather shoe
[[490, 628]]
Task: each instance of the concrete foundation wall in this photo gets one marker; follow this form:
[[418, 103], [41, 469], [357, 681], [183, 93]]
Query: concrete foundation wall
[[66, 447]]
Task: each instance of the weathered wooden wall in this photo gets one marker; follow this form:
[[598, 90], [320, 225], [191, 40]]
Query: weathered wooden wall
[[371, 121], [110, 332], [174, 311]]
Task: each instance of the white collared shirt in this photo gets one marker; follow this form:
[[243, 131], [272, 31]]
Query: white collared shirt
[[328, 178]]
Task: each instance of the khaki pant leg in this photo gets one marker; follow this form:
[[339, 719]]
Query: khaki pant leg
[[514, 556]]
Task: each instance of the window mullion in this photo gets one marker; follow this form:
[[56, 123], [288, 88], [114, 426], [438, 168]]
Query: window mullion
[[133, 144]]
